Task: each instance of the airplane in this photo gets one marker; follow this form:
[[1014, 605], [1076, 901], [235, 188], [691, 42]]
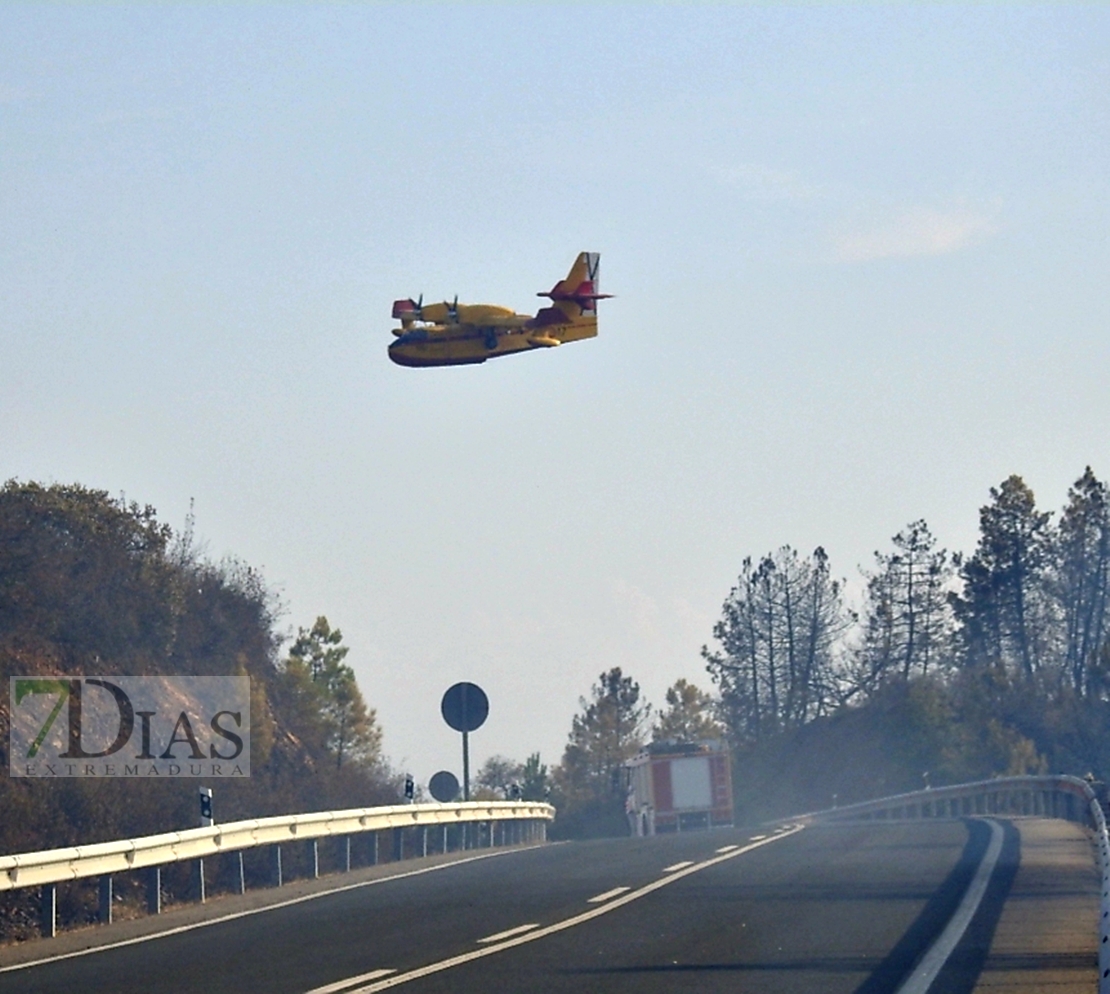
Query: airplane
[[460, 334]]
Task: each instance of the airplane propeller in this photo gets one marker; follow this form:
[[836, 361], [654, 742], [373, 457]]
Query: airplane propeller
[[452, 309]]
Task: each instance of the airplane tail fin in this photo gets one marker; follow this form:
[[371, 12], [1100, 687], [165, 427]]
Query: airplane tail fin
[[581, 286]]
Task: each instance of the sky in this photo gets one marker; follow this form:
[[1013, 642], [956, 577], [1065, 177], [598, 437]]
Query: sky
[[860, 257]]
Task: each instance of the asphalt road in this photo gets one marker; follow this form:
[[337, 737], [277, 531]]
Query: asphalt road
[[833, 908]]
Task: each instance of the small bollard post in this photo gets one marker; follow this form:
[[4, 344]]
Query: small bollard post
[[48, 911], [104, 900], [373, 848], [315, 859], [424, 841], [445, 838], [347, 856], [277, 865], [242, 875], [200, 880], [154, 890]]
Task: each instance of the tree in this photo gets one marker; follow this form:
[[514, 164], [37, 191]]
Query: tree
[[1003, 612], [906, 617], [1082, 580], [609, 731], [777, 632], [348, 728], [534, 785], [689, 716], [497, 776]]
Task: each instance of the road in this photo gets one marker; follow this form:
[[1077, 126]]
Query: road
[[832, 908]]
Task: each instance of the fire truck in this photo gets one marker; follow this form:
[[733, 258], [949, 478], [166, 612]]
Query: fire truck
[[679, 787]]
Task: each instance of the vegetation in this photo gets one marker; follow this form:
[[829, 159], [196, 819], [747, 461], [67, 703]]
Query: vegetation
[[955, 667], [94, 585]]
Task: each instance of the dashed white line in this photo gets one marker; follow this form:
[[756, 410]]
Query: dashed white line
[[678, 866], [609, 894], [540, 933], [507, 934], [725, 849], [342, 985], [758, 838], [232, 916]]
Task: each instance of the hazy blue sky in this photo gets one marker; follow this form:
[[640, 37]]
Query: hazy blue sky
[[861, 257]]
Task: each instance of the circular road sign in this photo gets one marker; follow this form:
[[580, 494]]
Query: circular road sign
[[465, 707], [444, 787]]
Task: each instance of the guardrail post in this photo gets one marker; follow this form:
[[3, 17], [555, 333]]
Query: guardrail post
[[315, 859], [424, 841], [200, 880], [104, 899], [277, 865], [373, 848], [242, 874], [48, 911], [154, 890], [445, 838], [347, 854], [398, 844]]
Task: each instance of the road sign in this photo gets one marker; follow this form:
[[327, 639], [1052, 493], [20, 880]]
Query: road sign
[[444, 787], [465, 707]]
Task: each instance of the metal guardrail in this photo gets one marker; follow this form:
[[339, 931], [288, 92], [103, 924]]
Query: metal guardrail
[[1050, 796], [519, 822]]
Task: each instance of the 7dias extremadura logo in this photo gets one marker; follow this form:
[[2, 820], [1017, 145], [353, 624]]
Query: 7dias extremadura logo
[[130, 726]]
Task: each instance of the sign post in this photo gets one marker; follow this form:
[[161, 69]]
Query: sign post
[[465, 708]]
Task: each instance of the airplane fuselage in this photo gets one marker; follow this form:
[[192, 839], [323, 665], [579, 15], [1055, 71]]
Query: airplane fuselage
[[464, 344]]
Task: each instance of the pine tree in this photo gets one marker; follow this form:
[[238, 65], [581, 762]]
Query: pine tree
[[1083, 576], [776, 635], [689, 716], [1004, 612], [907, 613]]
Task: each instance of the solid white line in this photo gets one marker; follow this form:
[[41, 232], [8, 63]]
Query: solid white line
[[257, 911], [585, 916], [931, 963], [608, 894], [727, 848], [678, 866], [507, 934], [340, 985]]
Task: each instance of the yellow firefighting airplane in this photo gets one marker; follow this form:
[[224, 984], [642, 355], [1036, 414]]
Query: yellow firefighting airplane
[[457, 334]]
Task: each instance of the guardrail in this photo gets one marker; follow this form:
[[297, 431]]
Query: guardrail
[[478, 824], [1050, 796]]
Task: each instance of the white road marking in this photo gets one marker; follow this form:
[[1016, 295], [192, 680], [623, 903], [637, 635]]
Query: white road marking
[[931, 963], [585, 916], [340, 985], [507, 934], [757, 838], [727, 849], [608, 894], [257, 911], [678, 866]]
